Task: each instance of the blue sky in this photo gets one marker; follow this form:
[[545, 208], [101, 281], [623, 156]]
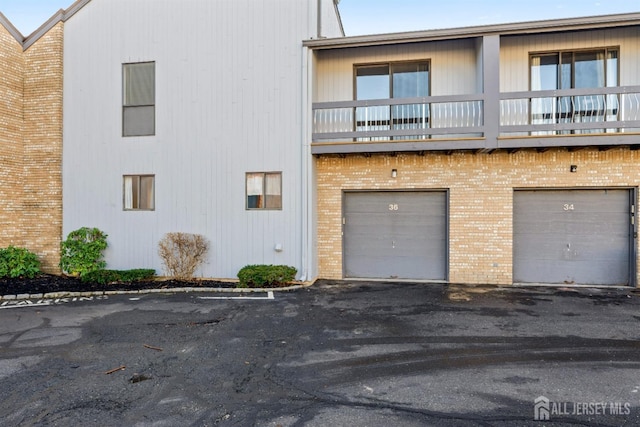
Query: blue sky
[[386, 16], [377, 16]]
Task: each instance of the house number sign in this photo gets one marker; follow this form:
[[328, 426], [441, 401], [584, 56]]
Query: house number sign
[[393, 206], [568, 207]]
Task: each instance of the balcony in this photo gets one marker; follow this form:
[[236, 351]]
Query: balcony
[[573, 117]]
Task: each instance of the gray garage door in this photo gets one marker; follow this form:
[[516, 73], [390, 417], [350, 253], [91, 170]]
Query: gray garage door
[[395, 235], [572, 237]]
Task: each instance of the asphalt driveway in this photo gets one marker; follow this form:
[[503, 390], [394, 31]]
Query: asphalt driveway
[[337, 353]]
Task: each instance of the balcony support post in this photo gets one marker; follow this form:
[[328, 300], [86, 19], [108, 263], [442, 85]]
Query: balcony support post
[[491, 89]]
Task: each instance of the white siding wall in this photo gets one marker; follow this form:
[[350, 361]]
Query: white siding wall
[[453, 67], [229, 86], [330, 26], [514, 53]]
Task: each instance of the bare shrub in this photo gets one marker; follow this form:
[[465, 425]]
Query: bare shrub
[[182, 253]]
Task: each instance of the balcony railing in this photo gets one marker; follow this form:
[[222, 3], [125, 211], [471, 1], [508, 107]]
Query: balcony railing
[[399, 119], [570, 111], [438, 118]]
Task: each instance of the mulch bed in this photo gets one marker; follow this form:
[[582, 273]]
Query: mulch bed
[[46, 283]]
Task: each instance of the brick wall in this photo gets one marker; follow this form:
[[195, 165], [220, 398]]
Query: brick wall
[[31, 145], [480, 197], [11, 141], [42, 203]]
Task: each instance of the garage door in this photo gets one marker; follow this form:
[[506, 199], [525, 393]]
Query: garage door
[[395, 235], [572, 237]]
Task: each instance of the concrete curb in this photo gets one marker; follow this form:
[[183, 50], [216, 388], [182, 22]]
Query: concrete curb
[[64, 294]]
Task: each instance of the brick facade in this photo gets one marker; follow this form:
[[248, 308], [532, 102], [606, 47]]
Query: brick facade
[[11, 140], [31, 140], [480, 188]]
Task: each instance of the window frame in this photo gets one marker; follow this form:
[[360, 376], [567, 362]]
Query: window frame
[[392, 117], [130, 106], [390, 66], [139, 191], [574, 108], [264, 195], [561, 52]]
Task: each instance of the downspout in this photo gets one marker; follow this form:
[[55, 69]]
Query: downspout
[[319, 18], [306, 223], [306, 168]]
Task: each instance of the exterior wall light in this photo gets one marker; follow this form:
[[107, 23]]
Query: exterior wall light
[[573, 168], [394, 173]]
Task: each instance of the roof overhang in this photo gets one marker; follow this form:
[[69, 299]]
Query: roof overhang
[[520, 28]]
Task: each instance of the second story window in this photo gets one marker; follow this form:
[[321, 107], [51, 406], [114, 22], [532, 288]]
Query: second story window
[[139, 99], [398, 80], [574, 70], [584, 69], [393, 80]]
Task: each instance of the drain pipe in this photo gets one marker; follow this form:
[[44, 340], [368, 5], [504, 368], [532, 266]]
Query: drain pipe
[[319, 23]]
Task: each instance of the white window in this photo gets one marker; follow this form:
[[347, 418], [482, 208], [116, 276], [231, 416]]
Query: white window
[[139, 192], [139, 99], [264, 190]]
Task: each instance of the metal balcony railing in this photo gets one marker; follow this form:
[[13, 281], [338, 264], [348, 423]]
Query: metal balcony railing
[[521, 114], [398, 119], [570, 111]]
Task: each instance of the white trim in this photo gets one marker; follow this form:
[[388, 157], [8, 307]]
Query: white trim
[[268, 297]]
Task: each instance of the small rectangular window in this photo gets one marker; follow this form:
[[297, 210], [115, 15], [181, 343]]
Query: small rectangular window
[[264, 190], [139, 192], [139, 99]]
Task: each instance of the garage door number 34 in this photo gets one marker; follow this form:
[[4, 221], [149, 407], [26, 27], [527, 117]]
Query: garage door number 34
[[568, 207]]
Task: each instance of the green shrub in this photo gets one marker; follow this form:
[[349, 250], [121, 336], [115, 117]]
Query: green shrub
[[266, 276], [82, 251], [104, 277], [136, 275], [101, 277], [18, 262]]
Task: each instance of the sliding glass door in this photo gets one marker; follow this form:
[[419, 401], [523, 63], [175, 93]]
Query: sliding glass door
[[574, 70], [392, 81]]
